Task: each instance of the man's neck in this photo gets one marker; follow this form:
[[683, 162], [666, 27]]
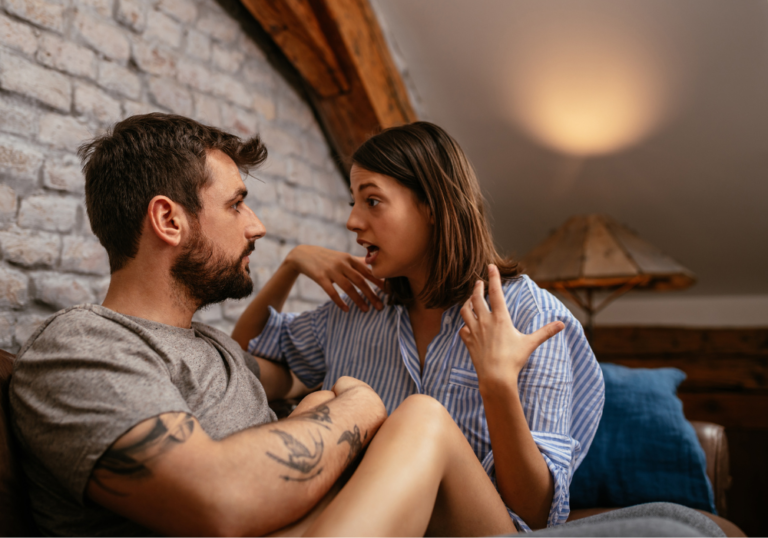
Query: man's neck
[[138, 294]]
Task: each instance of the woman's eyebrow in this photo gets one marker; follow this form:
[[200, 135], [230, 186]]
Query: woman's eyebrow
[[363, 187]]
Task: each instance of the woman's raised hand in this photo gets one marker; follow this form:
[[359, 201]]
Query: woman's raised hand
[[328, 267], [498, 350]]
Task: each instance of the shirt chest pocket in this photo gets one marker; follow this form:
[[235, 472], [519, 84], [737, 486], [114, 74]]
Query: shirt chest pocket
[[464, 378]]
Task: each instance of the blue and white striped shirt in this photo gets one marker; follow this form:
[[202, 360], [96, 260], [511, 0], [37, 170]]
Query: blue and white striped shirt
[[561, 386]]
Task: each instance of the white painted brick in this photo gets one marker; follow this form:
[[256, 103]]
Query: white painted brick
[[298, 306], [300, 173], [62, 291], [219, 26], [232, 309], [266, 254], [84, 255], [230, 89], [228, 60], [132, 108], [19, 75], [195, 76], [279, 141], [132, 13], [30, 248], [310, 290], [103, 8], [262, 192], [94, 103], [8, 202], [261, 275], [38, 12], [19, 160], [181, 10], [63, 174], [308, 203], [26, 326], [331, 184], [198, 45], [154, 59], [63, 131], [249, 48], [209, 314], [17, 118], [258, 74], [120, 80], [279, 223], [167, 93], [276, 166], [286, 197], [100, 287], [295, 112], [207, 109], [50, 213], [341, 212], [328, 208], [14, 287], [17, 36], [263, 104], [66, 56], [316, 152], [7, 328], [238, 121], [163, 28], [107, 39]]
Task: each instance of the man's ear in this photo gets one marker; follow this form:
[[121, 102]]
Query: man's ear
[[167, 219]]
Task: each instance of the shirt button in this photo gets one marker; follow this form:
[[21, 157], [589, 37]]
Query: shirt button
[[448, 318]]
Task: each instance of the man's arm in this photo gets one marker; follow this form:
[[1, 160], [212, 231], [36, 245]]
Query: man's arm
[[168, 475]]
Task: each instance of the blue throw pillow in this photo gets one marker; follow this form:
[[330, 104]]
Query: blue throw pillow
[[644, 449]]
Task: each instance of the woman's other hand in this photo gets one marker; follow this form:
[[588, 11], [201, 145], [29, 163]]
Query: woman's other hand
[[498, 350], [328, 267]]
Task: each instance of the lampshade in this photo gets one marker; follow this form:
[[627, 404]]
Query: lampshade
[[594, 252]]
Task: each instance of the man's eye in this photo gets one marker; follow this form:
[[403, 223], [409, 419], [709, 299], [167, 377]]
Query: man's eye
[[236, 205]]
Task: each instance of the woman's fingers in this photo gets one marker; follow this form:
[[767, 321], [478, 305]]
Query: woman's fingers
[[344, 283], [358, 280], [478, 300], [495, 292], [470, 321], [359, 265], [327, 286], [545, 333]]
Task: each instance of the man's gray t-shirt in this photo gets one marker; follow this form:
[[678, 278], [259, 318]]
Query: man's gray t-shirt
[[89, 375]]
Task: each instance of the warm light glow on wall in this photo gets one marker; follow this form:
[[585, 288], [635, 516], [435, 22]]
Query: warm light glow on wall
[[587, 89]]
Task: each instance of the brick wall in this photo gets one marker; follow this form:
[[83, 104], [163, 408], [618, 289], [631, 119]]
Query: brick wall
[[70, 68]]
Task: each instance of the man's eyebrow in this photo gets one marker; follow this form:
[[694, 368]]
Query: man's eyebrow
[[363, 187], [241, 193]]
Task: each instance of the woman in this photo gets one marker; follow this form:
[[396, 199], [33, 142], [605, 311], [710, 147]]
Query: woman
[[418, 210]]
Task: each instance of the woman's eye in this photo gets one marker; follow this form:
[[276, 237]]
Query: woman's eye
[[352, 203], [372, 202]]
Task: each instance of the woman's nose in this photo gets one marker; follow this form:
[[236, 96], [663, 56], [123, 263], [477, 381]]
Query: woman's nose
[[354, 222]]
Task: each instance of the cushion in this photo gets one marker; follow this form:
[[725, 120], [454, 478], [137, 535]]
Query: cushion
[[644, 449]]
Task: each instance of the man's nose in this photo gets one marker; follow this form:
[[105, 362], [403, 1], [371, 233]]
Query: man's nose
[[255, 229]]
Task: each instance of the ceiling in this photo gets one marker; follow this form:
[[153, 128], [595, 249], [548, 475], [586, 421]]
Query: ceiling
[[654, 112]]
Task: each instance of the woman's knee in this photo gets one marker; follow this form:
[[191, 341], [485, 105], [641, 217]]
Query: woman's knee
[[427, 414]]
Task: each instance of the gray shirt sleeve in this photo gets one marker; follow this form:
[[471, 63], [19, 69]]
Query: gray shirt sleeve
[[83, 383]]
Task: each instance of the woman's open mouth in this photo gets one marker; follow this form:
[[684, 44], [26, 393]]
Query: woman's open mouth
[[373, 251]]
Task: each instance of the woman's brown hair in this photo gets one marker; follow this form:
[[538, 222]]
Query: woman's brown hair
[[424, 158]]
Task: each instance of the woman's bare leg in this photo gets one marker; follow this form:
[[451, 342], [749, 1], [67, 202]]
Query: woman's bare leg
[[418, 476]]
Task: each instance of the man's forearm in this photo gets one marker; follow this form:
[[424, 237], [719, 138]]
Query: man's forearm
[[274, 293], [288, 466]]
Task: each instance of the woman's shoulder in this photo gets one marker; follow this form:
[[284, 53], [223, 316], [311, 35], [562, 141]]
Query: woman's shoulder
[[526, 300]]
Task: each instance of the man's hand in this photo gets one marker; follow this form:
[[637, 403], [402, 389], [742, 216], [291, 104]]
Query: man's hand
[[328, 267], [498, 350]]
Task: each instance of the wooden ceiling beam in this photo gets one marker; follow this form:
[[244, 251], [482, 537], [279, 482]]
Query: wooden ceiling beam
[[339, 49]]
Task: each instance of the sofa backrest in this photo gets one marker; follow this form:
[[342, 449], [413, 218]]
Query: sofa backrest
[[15, 513]]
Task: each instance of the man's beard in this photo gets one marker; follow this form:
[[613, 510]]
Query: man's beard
[[206, 276]]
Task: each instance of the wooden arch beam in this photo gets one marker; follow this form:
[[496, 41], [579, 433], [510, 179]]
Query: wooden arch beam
[[339, 50]]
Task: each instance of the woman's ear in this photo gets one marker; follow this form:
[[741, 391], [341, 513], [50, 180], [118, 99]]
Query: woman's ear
[[167, 219]]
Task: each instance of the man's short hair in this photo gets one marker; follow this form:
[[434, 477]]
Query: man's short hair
[[145, 156]]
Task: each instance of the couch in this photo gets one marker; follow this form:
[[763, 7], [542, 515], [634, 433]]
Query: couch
[[15, 513]]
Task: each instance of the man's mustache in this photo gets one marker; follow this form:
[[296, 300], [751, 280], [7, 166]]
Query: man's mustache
[[250, 248]]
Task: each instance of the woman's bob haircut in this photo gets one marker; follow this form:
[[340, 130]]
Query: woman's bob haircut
[[424, 158]]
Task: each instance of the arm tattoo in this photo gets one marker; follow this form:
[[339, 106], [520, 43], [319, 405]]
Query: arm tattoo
[[355, 442], [321, 415], [300, 458], [130, 461]]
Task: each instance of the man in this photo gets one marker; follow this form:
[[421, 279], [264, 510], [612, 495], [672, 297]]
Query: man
[[132, 419]]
